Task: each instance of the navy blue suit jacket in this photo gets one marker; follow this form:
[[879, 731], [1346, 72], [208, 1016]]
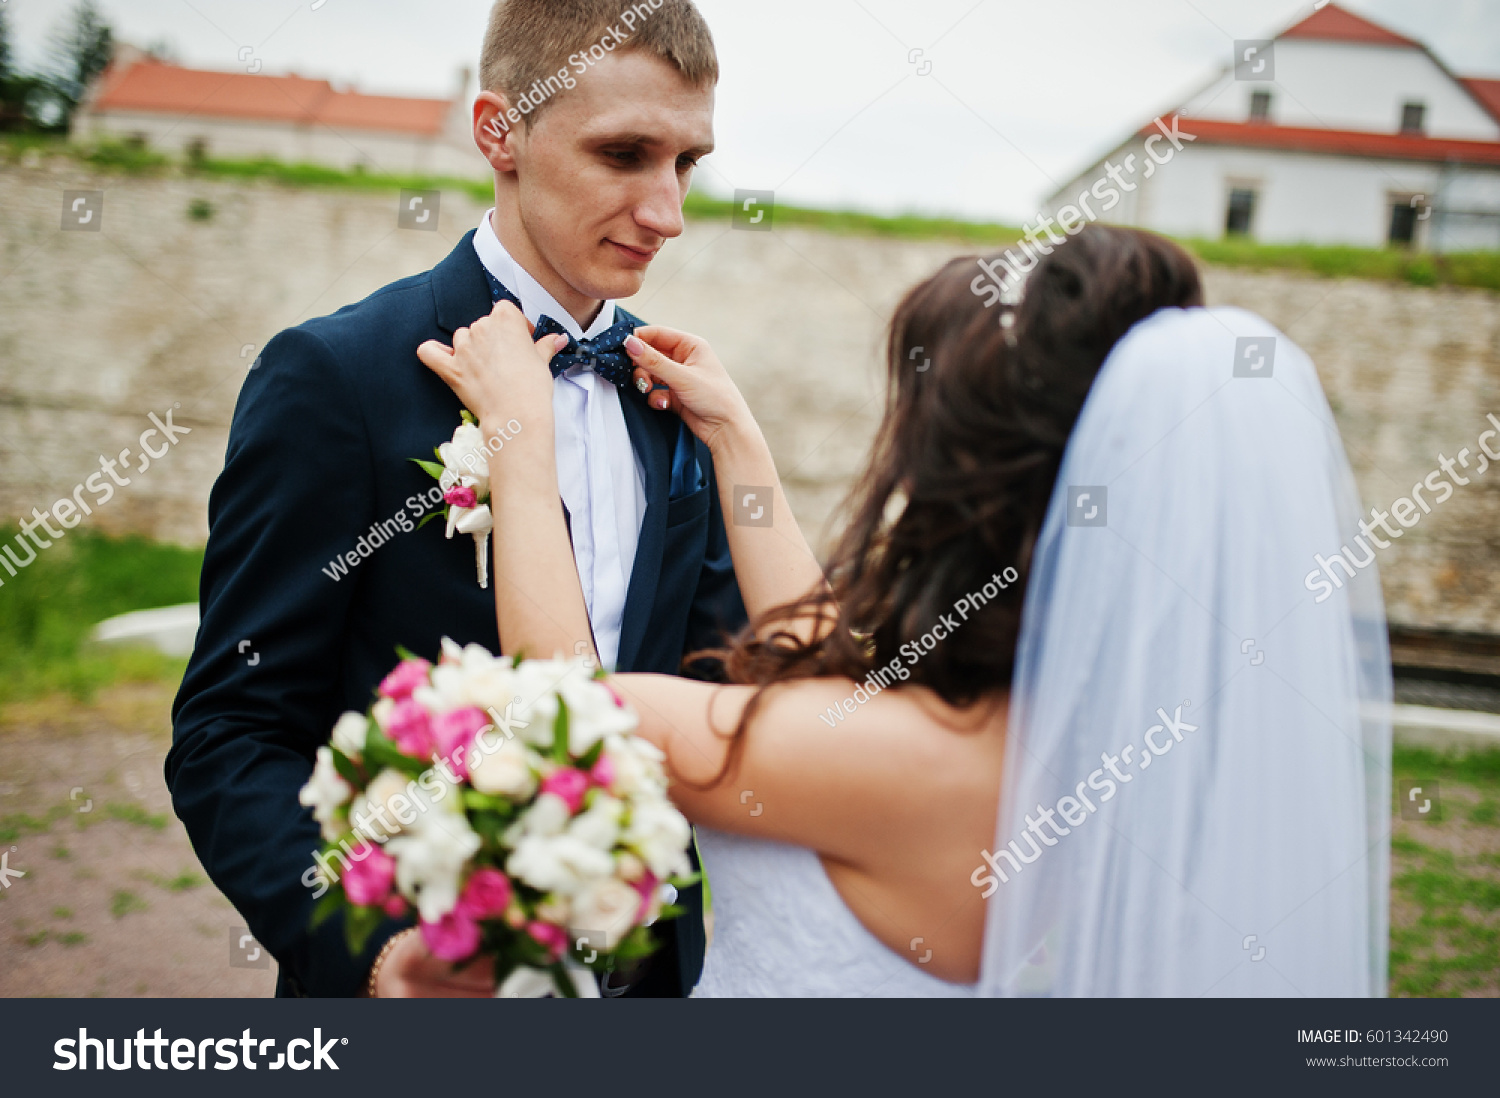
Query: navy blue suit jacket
[[319, 452]]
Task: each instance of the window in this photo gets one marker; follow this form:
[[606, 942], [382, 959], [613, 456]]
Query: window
[[1407, 213], [1260, 106], [1413, 115], [1241, 211]]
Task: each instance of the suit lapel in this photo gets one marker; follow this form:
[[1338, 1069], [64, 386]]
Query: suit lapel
[[654, 447], [460, 291]]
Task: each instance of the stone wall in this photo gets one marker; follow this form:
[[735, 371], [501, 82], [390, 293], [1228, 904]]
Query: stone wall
[[163, 310]]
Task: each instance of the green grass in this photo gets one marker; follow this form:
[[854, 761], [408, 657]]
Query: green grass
[[1474, 269], [135, 814], [125, 902], [1453, 947], [48, 608]]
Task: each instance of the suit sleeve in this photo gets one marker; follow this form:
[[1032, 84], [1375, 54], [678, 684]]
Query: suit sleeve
[[263, 686], [718, 610]]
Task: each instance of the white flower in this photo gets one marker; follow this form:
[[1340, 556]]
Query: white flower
[[548, 815], [325, 793], [466, 456], [557, 863], [381, 711], [536, 684], [637, 765], [628, 867], [660, 835], [604, 910], [505, 771], [349, 734], [430, 859], [599, 825], [373, 814], [593, 713]]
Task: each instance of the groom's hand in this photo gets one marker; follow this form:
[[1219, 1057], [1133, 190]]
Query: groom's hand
[[411, 971]]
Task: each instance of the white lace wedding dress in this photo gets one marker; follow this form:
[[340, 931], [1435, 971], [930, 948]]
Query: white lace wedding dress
[[781, 930]]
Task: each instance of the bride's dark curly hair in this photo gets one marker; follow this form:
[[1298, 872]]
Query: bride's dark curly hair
[[963, 466]]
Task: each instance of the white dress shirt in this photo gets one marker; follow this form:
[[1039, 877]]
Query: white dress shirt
[[603, 484]]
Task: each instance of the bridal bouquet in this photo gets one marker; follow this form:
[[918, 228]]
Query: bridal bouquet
[[509, 803]]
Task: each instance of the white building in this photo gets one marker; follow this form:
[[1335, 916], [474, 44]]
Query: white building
[[1338, 131], [245, 115]]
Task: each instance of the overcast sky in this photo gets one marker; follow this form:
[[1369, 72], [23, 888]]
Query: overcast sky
[[818, 99]]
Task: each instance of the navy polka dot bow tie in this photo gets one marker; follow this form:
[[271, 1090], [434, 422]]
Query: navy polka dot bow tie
[[605, 353]]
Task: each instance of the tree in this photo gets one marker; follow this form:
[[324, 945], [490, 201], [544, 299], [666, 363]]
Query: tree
[[81, 48], [5, 57], [12, 93]]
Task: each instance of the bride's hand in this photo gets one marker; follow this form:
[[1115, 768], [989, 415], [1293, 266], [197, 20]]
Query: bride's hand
[[699, 389], [495, 368]]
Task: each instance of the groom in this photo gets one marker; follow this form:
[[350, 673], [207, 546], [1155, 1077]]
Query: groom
[[593, 122]]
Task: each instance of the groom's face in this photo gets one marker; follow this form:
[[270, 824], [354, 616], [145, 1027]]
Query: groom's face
[[602, 175]]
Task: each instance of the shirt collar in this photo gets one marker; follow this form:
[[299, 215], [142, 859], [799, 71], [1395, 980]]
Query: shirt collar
[[536, 302]]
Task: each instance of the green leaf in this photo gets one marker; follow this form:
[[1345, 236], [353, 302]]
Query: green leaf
[[432, 468], [564, 985], [359, 924], [587, 760], [469, 418], [560, 753], [635, 945], [331, 902], [431, 515], [347, 770], [687, 880], [406, 653], [381, 751]]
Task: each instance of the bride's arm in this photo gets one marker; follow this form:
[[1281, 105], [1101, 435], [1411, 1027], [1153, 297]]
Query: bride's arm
[[500, 375], [772, 560], [870, 790]]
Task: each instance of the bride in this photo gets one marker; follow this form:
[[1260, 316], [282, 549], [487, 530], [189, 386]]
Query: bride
[[1072, 575]]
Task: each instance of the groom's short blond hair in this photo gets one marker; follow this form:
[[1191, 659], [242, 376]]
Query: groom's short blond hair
[[528, 41]]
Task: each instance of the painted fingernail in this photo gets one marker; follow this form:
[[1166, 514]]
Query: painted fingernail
[[643, 384], [634, 346], [561, 340], [661, 403]]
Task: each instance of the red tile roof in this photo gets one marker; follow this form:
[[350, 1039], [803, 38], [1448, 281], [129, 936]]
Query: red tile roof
[[154, 87], [1387, 146], [1333, 23], [1486, 91]]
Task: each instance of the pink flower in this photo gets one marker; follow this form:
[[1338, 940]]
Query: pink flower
[[454, 937], [569, 784], [486, 895], [394, 906], [553, 938], [454, 733], [646, 886], [409, 675], [411, 728], [603, 773], [461, 495], [367, 879]]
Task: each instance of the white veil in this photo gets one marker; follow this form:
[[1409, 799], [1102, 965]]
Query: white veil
[[1250, 855]]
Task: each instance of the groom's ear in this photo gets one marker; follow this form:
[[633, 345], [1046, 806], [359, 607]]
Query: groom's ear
[[495, 125]]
